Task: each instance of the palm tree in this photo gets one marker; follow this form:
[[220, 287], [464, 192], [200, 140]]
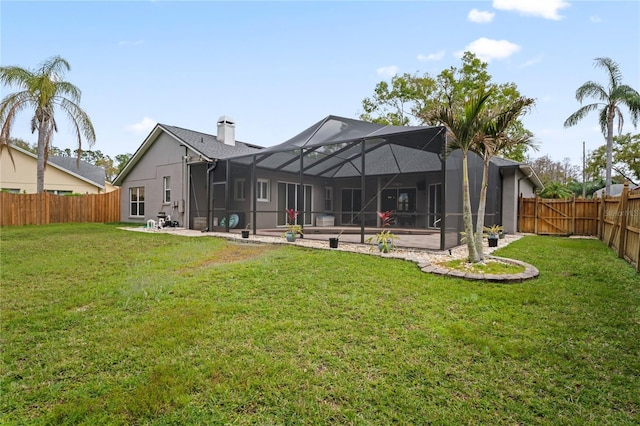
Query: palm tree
[[43, 91], [611, 98], [465, 130], [495, 139]]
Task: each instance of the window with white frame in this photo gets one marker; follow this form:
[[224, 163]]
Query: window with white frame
[[263, 190], [136, 201], [166, 189], [239, 189]]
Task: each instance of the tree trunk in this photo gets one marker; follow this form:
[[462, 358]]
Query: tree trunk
[[481, 209], [610, 117], [42, 148], [466, 212]]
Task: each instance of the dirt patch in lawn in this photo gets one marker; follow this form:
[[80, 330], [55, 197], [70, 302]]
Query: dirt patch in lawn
[[233, 253]]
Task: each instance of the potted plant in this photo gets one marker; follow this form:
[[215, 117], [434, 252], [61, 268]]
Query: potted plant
[[245, 231], [493, 233], [333, 241], [293, 229], [384, 239]]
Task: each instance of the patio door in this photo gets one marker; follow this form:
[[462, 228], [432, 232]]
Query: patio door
[[403, 202], [288, 199], [434, 208], [351, 206]]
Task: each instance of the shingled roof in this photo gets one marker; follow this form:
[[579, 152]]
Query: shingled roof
[[88, 171], [208, 145]]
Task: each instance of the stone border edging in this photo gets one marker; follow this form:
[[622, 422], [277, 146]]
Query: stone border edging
[[530, 272]]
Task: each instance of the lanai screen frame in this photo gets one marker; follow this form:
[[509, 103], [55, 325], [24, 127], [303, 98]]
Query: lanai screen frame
[[387, 151]]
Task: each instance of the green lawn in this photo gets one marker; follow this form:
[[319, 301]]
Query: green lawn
[[104, 326]]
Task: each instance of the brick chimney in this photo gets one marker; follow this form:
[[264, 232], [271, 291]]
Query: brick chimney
[[226, 130]]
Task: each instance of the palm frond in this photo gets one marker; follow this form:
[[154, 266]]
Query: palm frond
[[575, 118], [593, 90], [615, 76]]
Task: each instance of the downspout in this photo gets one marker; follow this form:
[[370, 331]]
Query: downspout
[[185, 187]]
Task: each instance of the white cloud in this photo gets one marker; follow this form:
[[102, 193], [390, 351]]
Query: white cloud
[[142, 127], [480, 17], [431, 56], [547, 9], [130, 42], [487, 49], [595, 19], [387, 72]]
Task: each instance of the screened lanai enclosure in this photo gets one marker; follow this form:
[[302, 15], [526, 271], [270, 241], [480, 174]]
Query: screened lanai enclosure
[[339, 173]]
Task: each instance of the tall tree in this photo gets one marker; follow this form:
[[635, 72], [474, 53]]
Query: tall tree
[[626, 158], [465, 125], [549, 170], [44, 91], [410, 98], [495, 137], [610, 99]]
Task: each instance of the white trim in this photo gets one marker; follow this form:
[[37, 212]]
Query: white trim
[[166, 179], [258, 191]]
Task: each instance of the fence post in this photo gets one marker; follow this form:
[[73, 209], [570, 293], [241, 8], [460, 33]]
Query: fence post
[[623, 220], [616, 224], [535, 218], [602, 211], [573, 215]]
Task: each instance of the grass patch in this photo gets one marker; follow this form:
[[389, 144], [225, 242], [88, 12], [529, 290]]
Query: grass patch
[[489, 266], [104, 326]]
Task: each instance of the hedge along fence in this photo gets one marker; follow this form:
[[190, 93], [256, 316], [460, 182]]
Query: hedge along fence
[[614, 220], [44, 208]]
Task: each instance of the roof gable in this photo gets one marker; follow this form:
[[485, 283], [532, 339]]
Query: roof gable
[[90, 173], [203, 145]]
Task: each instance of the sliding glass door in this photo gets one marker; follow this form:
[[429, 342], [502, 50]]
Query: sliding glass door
[[288, 199]]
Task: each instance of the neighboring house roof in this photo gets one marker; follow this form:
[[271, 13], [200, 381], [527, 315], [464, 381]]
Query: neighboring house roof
[[87, 172], [616, 190], [90, 172], [201, 144]]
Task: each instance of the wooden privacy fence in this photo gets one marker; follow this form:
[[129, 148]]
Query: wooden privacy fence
[[44, 208], [614, 220]]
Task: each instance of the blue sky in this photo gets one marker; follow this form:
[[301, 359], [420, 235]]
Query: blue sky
[[278, 67]]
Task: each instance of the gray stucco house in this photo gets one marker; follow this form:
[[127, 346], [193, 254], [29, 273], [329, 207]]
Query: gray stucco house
[[338, 172], [168, 173]]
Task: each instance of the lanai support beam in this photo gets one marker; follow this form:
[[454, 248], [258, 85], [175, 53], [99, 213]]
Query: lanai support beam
[[362, 191]]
